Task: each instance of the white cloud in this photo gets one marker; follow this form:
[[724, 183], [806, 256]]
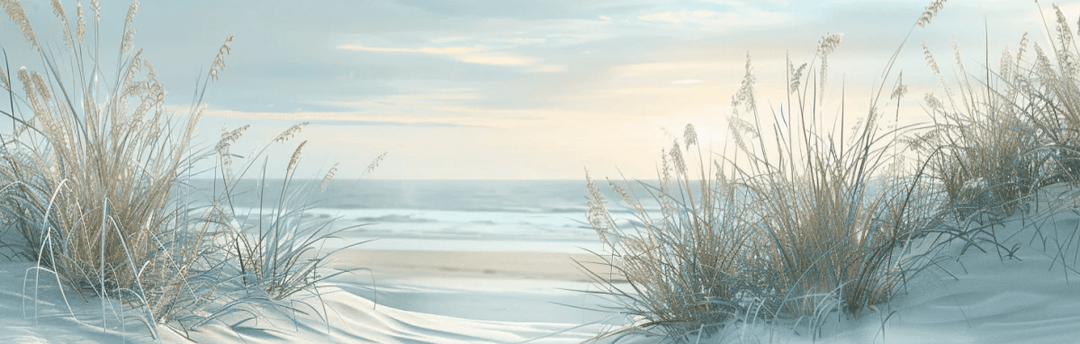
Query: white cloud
[[603, 17], [719, 21], [474, 54], [686, 82], [548, 69], [678, 17], [641, 69]]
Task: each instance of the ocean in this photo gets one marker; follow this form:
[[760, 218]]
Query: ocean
[[453, 215]]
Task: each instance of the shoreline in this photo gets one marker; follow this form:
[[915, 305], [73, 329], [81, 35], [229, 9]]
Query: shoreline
[[400, 264]]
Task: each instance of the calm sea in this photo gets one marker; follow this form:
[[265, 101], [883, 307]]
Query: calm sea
[[471, 215]]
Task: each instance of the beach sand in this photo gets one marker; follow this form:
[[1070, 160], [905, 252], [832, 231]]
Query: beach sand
[[394, 265], [512, 297]]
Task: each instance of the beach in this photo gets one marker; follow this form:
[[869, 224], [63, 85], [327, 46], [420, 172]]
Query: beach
[[510, 297], [392, 265], [420, 285]]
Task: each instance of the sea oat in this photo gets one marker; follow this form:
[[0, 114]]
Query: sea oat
[[328, 177], [932, 102], [219, 59], [1006, 65], [1020, 51], [1064, 32], [745, 95], [289, 133], [374, 163], [15, 10], [80, 25], [677, 158], [129, 32], [956, 52], [826, 47], [626, 197], [4, 82], [930, 60], [796, 76], [30, 90], [295, 156], [597, 214], [690, 135], [829, 43], [58, 10], [227, 139], [900, 90], [41, 86], [930, 13], [96, 8], [1042, 63], [738, 127]]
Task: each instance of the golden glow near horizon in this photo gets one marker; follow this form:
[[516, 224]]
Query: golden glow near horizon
[[535, 89]]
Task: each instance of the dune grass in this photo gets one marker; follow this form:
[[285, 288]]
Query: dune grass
[[787, 235], [1006, 136], [798, 221], [95, 182]]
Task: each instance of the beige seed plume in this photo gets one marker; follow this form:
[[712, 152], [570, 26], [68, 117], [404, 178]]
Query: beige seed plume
[[29, 90], [1006, 64], [4, 82], [745, 95], [219, 59], [901, 88], [289, 133], [80, 26], [1064, 32], [96, 7], [690, 135], [677, 158], [295, 156], [58, 10], [796, 76], [328, 177], [930, 12], [930, 60], [826, 47], [40, 85], [374, 163], [956, 51], [1020, 51], [129, 33], [227, 139], [15, 10]]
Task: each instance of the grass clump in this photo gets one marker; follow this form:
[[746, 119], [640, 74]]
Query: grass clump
[[685, 265], [797, 221], [91, 176], [793, 224], [788, 232], [96, 189], [1004, 137]]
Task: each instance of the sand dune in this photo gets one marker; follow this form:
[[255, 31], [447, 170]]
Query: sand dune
[[508, 297]]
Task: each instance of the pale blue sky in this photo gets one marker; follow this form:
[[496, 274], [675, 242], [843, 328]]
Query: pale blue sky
[[524, 89]]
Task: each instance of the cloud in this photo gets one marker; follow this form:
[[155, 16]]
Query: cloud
[[742, 17], [548, 69], [649, 68], [450, 108], [678, 17], [474, 54], [686, 82]]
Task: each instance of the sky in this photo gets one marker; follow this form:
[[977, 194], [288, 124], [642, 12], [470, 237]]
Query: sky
[[495, 89]]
